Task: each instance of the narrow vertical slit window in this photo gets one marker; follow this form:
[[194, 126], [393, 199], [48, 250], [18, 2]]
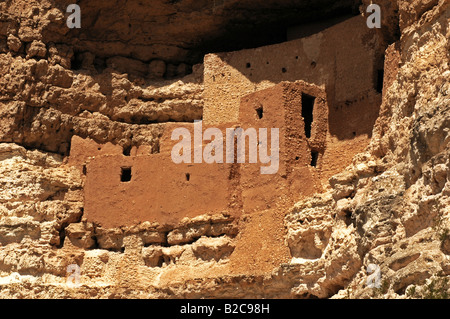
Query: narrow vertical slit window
[[314, 158], [379, 82], [307, 112]]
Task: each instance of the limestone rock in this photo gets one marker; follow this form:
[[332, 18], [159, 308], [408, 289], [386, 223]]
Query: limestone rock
[[80, 235], [14, 43], [36, 49], [212, 248]]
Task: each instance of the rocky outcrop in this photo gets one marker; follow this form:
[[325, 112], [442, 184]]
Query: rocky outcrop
[[393, 200], [115, 84]]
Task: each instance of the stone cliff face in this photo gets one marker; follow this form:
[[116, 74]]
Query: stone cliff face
[[133, 68]]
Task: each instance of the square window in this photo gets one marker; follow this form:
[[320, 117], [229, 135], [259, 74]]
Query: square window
[[125, 175]]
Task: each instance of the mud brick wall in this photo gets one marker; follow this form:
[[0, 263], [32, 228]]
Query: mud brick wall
[[345, 58]]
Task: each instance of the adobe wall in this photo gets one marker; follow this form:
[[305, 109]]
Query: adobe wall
[[159, 190], [350, 126], [342, 58], [81, 149], [281, 107]]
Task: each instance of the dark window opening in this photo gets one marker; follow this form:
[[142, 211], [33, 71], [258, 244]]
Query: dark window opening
[[84, 169], [127, 150], [188, 177], [248, 65], [260, 112], [125, 176], [314, 158], [307, 112], [284, 70], [379, 82]]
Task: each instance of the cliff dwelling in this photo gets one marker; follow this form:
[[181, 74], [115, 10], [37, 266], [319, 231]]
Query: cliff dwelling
[[224, 149], [321, 91]]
